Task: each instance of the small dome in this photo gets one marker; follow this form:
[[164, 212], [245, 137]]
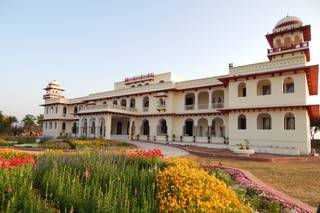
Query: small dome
[[287, 22], [54, 85]]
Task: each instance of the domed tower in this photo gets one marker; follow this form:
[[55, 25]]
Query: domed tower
[[53, 90], [289, 38]]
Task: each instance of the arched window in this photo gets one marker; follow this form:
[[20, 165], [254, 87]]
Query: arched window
[[64, 111], [145, 103], [139, 85], [132, 86], [132, 103], [115, 102], [55, 125], [278, 43], [56, 109], [51, 110], [124, 102], [288, 85], [74, 128], [264, 121], [289, 121], [93, 126], [264, 87], [297, 39], [75, 109], [189, 101], [242, 90], [162, 81], [188, 127], [50, 125], [162, 128], [217, 99], [242, 122], [287, 42], [104, 103], [145, 127], [146, 84], [63, 126]]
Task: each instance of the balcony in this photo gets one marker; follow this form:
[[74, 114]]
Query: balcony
[[217, 105], [203, 106], [112, 107], [189, 107], [302, 46]]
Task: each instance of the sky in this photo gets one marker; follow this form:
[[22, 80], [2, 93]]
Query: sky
[[89, 45]]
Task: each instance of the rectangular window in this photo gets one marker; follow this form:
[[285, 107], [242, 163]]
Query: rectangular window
[[266, 90], [56, 109], [266, 123], [290, 88]]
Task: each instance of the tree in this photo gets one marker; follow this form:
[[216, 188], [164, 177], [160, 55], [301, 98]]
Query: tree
[[29, 122], [6, 122], [40, 120]]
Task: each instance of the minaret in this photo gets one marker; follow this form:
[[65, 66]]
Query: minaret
[[53, 90], [289, 38]]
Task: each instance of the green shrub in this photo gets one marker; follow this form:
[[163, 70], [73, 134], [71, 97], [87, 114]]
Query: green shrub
[[56, 144]]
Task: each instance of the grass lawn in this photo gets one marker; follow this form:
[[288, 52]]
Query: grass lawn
[[297, 179]]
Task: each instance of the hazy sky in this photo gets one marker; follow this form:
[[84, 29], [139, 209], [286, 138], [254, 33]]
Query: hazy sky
[[88, 45]]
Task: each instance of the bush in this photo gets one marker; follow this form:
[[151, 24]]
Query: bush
[[98, 143], [56, 144], [21, 139]]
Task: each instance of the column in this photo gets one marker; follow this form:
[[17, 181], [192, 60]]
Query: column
[[210, 99], [107, 119], [195, 100]]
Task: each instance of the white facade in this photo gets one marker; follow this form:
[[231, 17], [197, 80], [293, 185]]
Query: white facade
[[266, 103]]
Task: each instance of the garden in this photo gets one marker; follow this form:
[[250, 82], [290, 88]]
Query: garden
[[95, 180]]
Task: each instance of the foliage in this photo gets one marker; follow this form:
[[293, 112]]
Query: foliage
[[185, 187], [11, 153], [6, 122], [21, 139], [97, 143], [29, 122], [17, 192], [17, 161], [56, 144]]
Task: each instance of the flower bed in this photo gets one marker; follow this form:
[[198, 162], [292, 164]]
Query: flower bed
[[17, 161], [185, 187], [140, 153], [96, 143]]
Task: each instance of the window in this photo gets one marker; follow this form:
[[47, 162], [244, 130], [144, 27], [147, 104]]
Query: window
[[139, 85], [242, 122], [145, 127], [132, 103], [287, 42], [188, 128], [104, 103], [50, 125], [264, 121], [146, 84], [278, 43], [297, 40], [161, 102], [74, 128], [63, 126], [189, 101], [162, 128], [55, 125], [242, 90], [288, 85], [56, 109], [64, 111], [51, 110], [124, 102], [264, 87], [132, 86], [289, 121], [115, 102], [47, 110], [75, 109], [46, 125], [162, 81], [146, 103]]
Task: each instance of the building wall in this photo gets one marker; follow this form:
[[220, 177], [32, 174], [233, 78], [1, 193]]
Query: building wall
[[298, 139]]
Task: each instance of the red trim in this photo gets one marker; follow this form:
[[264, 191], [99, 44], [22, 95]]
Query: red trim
[[306, 34], [312, 78], [314, 112]]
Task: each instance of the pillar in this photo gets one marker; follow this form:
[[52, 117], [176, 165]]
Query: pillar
[[108, 119]]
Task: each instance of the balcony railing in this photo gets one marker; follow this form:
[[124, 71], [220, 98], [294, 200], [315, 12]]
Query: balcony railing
[[189, 107], [203, 106], [104, 106], [217, 105], [298, 46], [139, 78]]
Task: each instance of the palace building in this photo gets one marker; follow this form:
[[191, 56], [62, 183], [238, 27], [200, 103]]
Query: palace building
[[267, 104]]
